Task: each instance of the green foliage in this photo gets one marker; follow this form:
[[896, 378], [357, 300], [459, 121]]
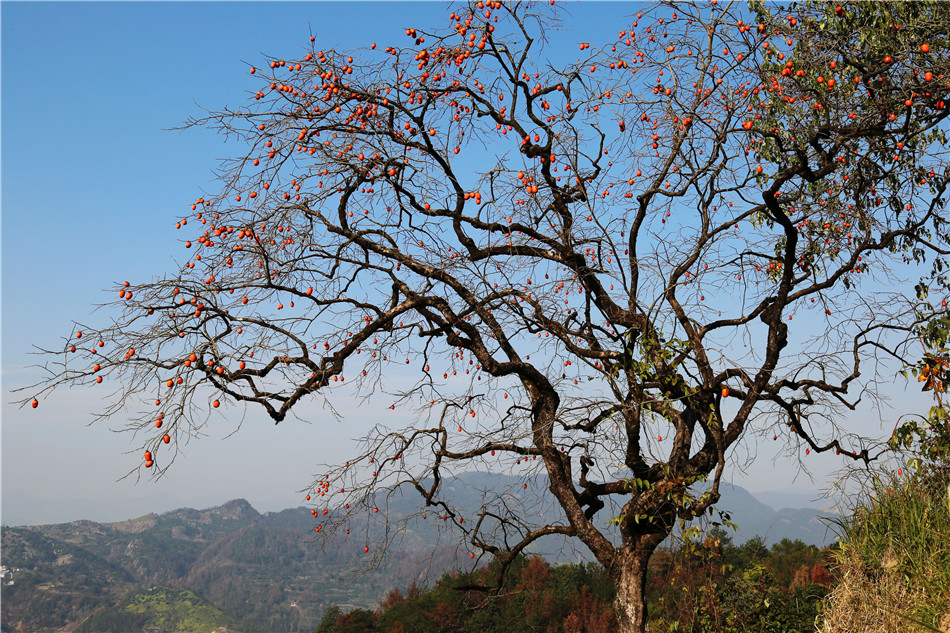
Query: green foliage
[[925, 445], [924, 442], [723, 588], [159, 610], [328, 621]]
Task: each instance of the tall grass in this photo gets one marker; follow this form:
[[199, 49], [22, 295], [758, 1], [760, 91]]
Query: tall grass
[[894, 560]]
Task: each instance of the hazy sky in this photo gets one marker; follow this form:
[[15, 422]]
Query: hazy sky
[[93, 180]]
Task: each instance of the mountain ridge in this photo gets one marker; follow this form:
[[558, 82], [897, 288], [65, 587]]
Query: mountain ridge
[[252, 566]]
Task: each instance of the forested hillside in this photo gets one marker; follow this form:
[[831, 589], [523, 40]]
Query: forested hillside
[[263, 571]]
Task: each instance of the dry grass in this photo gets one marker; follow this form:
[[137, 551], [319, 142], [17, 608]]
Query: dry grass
[[866, 601], [894, 562]]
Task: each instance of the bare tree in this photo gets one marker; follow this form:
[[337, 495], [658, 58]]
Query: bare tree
[[553, 263]]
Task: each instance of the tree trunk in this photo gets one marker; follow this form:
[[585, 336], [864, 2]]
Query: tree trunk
[[630, 580]]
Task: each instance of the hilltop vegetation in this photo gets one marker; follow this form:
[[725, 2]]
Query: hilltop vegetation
[[713, 587], [160, 609]]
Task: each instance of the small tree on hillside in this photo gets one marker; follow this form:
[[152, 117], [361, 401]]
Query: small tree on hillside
[[608, 266]]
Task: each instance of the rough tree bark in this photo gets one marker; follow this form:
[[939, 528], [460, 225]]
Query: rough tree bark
[[629, 574]]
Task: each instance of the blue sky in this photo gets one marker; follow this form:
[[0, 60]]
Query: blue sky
[[93, 180]]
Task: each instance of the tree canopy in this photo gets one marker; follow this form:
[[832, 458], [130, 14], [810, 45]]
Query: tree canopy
[[608, 268]]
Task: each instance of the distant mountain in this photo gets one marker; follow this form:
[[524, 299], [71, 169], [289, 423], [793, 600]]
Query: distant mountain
[[755, 518], [263, 572], [779, 499], [20, 508]]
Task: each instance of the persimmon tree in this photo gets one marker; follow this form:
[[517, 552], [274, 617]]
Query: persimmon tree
[[607, 266]]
